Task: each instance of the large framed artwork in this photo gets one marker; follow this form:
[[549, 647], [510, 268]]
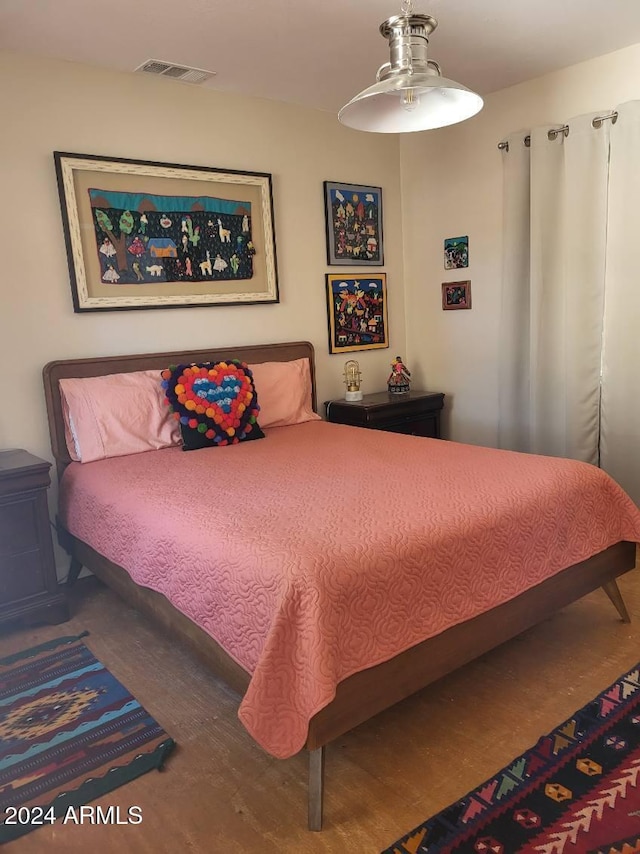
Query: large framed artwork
[[353, 217], [142, 234], [357, 310]]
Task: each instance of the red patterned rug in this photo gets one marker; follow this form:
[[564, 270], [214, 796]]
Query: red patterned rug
[[576, 792]]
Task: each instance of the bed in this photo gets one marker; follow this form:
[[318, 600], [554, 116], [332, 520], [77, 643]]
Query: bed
[[322, 634]]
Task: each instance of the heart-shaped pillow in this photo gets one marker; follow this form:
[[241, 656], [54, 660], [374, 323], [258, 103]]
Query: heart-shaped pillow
[[215, 402]]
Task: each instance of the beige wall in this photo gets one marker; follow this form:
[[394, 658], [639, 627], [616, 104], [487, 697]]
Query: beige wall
[[452, 185], [436, 185], [49, 105]]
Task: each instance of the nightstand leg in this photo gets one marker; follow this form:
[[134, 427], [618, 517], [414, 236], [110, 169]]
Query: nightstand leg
[[53, 614], [56, 614]]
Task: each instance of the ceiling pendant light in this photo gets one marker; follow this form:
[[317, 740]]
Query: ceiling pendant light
[[410, 93]]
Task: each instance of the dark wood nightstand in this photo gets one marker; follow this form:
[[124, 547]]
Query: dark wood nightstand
[[416, 413], [28, 582]]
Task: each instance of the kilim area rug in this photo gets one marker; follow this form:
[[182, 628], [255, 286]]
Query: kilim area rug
[[69, 733], [576, 792]]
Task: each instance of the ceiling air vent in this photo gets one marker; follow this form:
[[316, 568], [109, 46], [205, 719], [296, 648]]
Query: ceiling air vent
[[176, 72]]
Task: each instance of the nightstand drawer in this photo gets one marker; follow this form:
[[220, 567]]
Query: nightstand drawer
[[18, 527], [426, 427], [398, 410], [416, 413], [21, 576], [28, 583]]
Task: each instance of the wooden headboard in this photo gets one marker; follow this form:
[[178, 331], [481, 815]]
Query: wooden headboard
[[102, 365]]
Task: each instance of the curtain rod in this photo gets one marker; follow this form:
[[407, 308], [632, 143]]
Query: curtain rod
[[553, 133]]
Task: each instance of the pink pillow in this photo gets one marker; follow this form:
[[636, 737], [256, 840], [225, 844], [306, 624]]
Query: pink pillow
[[284, 392], [70, 437], [115, 415]]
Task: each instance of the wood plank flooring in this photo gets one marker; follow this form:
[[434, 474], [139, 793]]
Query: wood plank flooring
[[221, 793]]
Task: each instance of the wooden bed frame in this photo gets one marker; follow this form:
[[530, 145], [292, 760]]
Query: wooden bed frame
[[364, 694]]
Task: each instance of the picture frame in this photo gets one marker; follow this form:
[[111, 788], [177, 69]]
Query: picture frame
[[353, 221], [357, 312], [456, 252], [142, 234], [456, 295]]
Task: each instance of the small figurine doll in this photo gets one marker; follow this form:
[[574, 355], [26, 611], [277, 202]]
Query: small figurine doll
[[399, 378]]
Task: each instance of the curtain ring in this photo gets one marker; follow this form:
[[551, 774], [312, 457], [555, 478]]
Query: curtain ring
[[597, 122], [553, 133]]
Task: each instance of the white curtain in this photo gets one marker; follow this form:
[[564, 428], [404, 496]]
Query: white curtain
[[570, 326], [513, 422], [620, 423], [555, 209]]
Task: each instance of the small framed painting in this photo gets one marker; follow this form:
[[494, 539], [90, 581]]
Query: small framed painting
[[353, 218], [456, 253], [456, 295], [357, 309]]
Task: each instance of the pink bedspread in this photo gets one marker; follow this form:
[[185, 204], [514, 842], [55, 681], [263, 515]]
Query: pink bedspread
[[325, 549]]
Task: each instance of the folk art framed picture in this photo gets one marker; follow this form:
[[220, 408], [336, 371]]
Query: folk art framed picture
[[142, 234], [353, 218], [456, 295], [456, 252], [357, 311]]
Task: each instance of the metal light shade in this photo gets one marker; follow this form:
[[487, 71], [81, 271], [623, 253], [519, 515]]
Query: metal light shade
[[410, 94]]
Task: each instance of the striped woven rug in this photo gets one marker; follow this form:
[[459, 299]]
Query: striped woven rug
[[69, 733]]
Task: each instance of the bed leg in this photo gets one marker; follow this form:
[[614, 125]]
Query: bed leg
[[316, 788], [613, 592], [74, 571]]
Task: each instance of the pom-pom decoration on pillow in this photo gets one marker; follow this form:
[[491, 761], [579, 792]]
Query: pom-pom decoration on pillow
[[215, 402]]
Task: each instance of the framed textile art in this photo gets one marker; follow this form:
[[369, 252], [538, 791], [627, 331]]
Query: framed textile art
[[353, 218], [141, 234], [456, 295], [456, 252], [357, 308]]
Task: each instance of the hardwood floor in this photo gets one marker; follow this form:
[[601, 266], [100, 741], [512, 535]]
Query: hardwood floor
[[221, 793]]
